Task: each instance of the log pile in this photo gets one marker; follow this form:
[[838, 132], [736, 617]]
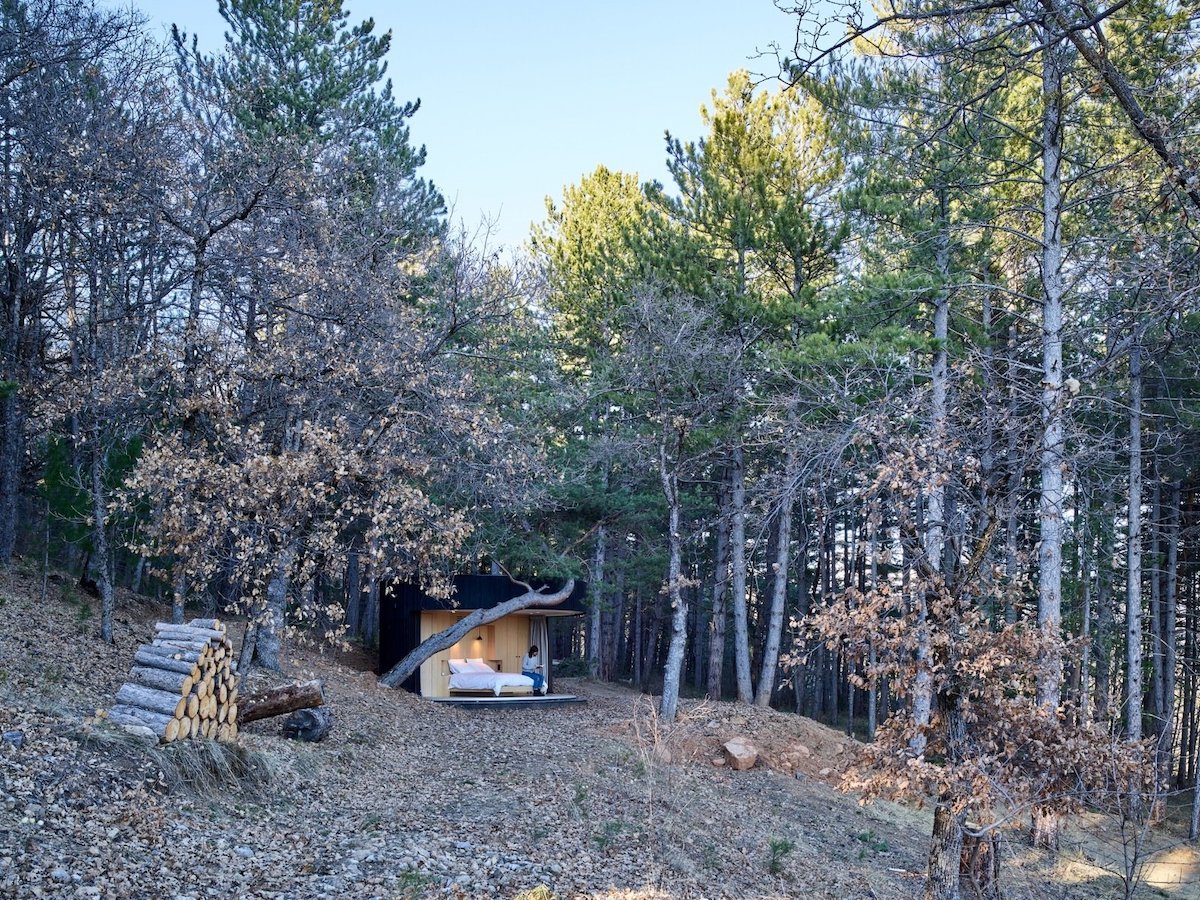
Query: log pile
[[183, 684]]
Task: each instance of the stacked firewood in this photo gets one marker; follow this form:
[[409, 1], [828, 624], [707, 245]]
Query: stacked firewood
[[182, 685]]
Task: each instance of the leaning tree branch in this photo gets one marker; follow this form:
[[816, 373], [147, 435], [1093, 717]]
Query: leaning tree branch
[[1150, 131], [446, 639]]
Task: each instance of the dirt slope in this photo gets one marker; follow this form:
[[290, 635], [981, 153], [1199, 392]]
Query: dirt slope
[[412, 799]]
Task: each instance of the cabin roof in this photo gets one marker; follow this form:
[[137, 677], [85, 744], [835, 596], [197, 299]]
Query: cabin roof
[[485, 591]]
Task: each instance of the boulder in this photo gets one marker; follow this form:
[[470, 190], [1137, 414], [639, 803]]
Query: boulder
[[740, 753]]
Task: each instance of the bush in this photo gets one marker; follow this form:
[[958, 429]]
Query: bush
[[572, 667]]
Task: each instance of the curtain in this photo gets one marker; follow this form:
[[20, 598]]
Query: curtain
[[539, 634]]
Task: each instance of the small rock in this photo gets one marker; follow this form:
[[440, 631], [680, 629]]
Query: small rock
[[16, 738], [740, 753], [60, 875], [825, 773], [718, 760], [244, 851]]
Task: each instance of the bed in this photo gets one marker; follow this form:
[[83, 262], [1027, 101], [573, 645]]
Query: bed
[[476, 675]]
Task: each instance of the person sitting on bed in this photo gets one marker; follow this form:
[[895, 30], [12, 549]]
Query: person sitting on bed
[[531, 667]]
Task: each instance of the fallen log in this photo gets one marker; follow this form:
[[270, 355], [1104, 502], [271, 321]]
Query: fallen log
[[280, 700]]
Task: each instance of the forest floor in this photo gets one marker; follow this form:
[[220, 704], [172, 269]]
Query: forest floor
[[413, 799]]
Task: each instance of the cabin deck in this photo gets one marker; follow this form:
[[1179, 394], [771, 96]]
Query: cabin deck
[[491, 701]]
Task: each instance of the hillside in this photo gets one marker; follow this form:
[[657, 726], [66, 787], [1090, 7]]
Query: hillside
[[412, 799]]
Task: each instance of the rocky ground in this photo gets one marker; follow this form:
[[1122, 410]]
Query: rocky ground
[[412, 799]]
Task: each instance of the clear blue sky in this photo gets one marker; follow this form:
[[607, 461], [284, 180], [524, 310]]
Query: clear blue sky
[[522, 97]]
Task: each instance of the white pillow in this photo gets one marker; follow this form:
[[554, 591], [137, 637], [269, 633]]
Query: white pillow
[[478, 665], [458, 666]]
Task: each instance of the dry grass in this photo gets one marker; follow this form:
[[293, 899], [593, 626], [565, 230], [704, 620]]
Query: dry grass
[[204, 769]]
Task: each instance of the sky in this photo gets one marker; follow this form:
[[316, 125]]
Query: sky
[[520, 98]]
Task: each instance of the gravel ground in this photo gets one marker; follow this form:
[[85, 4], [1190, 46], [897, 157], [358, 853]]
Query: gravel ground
[[413, 799]]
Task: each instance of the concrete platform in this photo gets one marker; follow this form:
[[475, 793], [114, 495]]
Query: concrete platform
[[491, 701]]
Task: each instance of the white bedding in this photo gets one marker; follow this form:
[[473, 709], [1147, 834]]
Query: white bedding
[[488, 681]]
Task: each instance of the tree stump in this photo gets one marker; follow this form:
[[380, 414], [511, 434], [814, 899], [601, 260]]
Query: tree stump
[[309, 724]]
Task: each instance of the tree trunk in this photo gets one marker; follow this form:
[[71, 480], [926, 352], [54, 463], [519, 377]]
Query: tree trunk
[[270, 629], [1133, 584], [1104, 609], [443, 640], [1170, 617], [1050, 505], [1085, 626], [946, 840], [716, 636], [12, 446], [737, 540], [770, 659], [597, 596], [179, 597], [370, 614], [100, 547], [638, 642], [678, 644], [935, 508], [1158, 700], [353, 595]]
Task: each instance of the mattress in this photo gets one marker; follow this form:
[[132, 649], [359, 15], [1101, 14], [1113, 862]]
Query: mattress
[[488, 681]]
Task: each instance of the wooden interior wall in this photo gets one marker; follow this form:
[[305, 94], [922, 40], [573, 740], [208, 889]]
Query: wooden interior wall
[[504, 643]]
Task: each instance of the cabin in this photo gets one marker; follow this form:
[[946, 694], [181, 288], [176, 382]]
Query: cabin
[[408, 616]]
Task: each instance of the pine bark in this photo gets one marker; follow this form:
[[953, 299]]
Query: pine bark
[[716, 636], [675, 596], [737, 540], [597, 595], [1133, 584], [779, 582], [1050, 505]]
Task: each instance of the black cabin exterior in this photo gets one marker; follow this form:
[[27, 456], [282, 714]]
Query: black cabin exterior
[[407, 616]]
